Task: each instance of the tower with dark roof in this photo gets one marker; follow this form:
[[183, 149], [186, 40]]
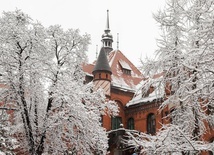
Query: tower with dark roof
[[138, 98], [107, 38], [102, 73]]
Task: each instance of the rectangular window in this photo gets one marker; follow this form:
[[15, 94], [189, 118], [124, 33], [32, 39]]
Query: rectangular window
[[151, 125], [131, 123], [115, 122], [126, 71]]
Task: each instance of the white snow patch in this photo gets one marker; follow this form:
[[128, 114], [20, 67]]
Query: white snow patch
[[112, 59], [158, 92], [124, 65], [2, 153], [121, 83]]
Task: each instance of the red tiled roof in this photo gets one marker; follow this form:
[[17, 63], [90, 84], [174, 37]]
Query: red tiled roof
[[88, 68], [119, 79]]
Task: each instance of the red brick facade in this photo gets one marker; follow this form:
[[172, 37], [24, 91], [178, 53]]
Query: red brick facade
[[125, 79]]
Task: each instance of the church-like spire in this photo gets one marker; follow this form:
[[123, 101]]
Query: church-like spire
[[107, 38], [102, 63], [102, 73], [107, 22]]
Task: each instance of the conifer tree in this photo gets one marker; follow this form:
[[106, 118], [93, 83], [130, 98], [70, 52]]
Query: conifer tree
[[185, 56]]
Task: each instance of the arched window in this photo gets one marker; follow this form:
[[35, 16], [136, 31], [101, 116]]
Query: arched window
[[151, 125], [130, 124]]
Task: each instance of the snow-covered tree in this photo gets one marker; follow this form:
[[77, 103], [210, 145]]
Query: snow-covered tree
[[41, 69], [170, 140], [185, 56], [200, 56]]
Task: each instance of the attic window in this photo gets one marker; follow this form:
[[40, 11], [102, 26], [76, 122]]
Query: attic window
[[125, 67], [126, 71]]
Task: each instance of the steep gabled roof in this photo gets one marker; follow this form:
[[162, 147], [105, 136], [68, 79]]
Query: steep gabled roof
[[117, 62]]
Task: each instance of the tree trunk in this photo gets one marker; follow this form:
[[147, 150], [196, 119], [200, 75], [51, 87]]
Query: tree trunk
[[40, 148]]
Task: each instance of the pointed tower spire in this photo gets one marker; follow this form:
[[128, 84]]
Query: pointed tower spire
[[107, 22], [102, 63], [102, 73], [107, 38]]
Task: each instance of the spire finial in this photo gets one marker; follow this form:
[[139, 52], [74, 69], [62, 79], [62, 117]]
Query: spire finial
[[107, 23], [107, 38]]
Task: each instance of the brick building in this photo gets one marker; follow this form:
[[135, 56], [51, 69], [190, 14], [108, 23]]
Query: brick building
[[122, 82]]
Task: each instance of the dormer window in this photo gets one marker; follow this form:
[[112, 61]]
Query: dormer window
[[126, 69]]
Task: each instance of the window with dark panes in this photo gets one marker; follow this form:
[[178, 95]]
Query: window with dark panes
[[151, 125], [115, 122], [130, 124]]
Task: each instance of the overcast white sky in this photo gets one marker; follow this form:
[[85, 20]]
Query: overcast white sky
[[132, 19]]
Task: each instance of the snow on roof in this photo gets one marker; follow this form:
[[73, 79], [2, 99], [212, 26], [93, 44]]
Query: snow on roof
[[88, 68], [111, 57], [119, 82], [124, 65], [159, 91], [118, 61]]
